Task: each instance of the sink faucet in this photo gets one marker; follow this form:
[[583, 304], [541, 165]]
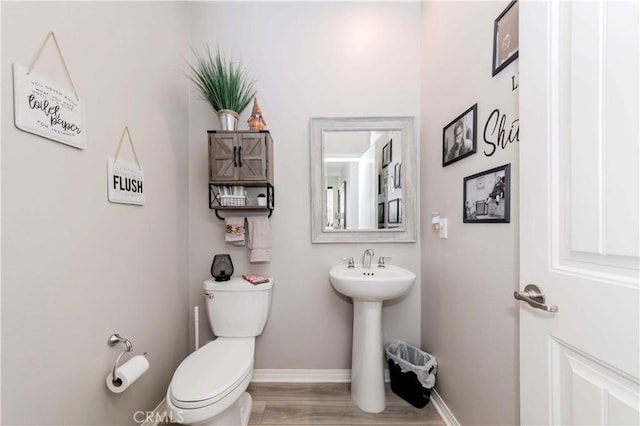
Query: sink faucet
[[366, 258], [349, 259]]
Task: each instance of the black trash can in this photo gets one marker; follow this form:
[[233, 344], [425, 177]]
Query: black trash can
[[412, 373]]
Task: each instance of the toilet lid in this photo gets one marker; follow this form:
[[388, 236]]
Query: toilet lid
[[212, 371]]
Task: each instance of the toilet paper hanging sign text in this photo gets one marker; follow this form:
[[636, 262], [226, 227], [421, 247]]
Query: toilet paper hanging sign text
[[126, 182], [46, 109]]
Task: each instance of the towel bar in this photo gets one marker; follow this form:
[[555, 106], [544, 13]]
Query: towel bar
[[222, 218]]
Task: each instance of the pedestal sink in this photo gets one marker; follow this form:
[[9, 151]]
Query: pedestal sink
[[369, 287]]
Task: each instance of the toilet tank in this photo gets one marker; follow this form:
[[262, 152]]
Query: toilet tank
[[237, 308]]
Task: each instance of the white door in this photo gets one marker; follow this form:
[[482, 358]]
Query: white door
[[579, 232]]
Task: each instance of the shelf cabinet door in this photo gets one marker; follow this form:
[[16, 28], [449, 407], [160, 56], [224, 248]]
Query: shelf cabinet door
[[222, 158], [253, 157], [240, 158]]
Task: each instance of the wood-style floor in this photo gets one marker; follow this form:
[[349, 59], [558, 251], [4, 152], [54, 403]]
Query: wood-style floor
[[329, 404]]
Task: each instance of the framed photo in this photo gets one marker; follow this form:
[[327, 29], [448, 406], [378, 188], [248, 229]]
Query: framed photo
[[379, 184], [342, 205], [489, 203], [380, 213], [459, 137], [386, 154], [505, 38], [394, 211], [397, 176]]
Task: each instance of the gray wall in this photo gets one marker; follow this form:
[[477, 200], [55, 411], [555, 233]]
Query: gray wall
[[468, 315], [77, 268], [311, 60]]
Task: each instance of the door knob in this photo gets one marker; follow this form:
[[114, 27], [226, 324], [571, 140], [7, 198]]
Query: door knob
[[534, 297]]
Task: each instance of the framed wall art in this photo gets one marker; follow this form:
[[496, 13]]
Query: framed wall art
[[459, 137], [394, 211], [489, 202], [397, 176], [506, 42], [386, 154]]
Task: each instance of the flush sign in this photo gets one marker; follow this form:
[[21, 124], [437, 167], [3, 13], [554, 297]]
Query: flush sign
[[47, 109], [126, 182]]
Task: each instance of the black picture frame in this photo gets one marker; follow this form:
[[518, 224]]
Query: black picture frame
[[468, 121], [491, 202], [380, 213], [394, 211], [387, 153], [506, 40], [397, 175], [379, 184]]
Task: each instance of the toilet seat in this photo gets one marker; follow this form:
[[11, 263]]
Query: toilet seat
[[212, 372]]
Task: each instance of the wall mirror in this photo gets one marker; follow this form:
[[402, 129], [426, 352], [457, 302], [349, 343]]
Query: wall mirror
[[363, 180]]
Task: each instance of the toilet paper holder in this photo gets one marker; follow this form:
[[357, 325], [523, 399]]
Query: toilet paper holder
[[113, 340]]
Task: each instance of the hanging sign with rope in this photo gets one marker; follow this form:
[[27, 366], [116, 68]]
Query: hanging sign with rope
[[125, 180], [46, 109]]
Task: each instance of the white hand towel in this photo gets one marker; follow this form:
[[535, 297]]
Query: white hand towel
[[234, 230], [259, 239]]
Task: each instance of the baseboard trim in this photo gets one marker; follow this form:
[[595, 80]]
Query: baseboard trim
[[268, 375], [443, 410]]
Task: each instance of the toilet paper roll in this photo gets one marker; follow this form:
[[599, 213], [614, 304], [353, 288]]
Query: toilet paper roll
[[127, 373]]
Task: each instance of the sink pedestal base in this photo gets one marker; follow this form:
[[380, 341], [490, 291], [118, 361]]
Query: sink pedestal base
[[367, 362]]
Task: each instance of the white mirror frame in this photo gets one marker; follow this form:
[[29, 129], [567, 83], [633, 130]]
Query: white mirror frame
[[409, 185]]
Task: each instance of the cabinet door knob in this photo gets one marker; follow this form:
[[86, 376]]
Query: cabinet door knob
[[235, 161]]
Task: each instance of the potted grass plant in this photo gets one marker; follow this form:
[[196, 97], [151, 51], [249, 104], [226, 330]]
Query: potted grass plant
[[225, 85]]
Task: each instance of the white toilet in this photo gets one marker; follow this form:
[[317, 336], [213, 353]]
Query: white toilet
[[208, 388]]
